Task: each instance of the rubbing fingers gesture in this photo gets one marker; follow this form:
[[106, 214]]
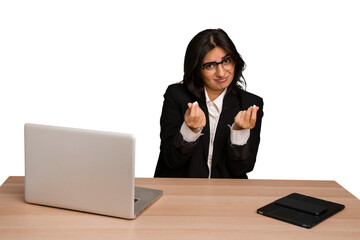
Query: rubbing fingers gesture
[[194, 117], [246, 119]]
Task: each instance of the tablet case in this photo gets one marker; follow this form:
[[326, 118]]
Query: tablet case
[[301, 210]]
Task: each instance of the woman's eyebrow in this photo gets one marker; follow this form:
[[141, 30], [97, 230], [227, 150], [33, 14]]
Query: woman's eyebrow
[[226, 56]]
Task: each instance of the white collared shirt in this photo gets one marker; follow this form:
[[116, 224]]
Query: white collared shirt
[[237, 137]]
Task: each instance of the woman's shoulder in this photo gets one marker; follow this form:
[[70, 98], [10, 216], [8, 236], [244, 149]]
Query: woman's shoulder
[[176, 87], [249, 95], [178, 90], [249, 98]]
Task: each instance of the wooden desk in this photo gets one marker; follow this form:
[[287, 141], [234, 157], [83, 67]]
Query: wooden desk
[[189, 209]]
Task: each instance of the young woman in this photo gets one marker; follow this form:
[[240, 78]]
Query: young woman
[[210, 126]]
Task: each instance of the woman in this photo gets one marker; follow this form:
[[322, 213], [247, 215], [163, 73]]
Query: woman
[[210, 126]]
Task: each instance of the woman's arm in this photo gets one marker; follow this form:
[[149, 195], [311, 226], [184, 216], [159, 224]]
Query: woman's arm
[[241, 158], [174, 150]]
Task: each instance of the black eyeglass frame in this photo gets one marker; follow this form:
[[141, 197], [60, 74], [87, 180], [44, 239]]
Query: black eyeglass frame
[[217, 63]]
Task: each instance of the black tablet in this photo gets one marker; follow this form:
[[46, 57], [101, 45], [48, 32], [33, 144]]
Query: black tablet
[[300, 210]]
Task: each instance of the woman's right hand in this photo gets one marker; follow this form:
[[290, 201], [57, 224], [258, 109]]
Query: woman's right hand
[[194, 117]]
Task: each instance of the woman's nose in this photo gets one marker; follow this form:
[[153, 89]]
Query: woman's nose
[[220, 71]]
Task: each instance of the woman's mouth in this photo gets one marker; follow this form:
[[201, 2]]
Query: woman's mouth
[[221, 80]]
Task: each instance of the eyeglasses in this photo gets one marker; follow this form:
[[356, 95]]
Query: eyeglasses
[[227, 63]]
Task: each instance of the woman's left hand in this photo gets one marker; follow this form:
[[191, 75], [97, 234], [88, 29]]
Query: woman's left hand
[[246, 119]]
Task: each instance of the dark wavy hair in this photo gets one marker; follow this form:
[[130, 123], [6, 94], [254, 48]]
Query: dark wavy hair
[[198, 47]]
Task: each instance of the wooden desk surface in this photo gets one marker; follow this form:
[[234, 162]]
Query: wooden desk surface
[[189, 209]]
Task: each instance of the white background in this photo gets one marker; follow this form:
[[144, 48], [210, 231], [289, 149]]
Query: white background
[[105, 65]]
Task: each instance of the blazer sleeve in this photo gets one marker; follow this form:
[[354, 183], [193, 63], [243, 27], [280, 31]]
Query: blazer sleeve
[[175, 152], [241, 159]]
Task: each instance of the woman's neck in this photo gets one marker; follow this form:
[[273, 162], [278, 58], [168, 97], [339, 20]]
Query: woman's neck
[[213, 94]]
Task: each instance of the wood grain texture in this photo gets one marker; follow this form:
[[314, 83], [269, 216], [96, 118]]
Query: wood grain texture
[[189, 209]]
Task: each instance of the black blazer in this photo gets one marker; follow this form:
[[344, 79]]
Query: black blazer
[[182, 159]]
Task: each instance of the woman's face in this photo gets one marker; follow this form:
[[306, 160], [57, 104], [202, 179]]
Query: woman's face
[[217, 77]]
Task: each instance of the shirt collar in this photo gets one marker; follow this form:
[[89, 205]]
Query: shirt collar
[[218, 101]]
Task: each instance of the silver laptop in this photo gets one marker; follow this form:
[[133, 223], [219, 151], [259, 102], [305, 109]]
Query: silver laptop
[[84, 170]]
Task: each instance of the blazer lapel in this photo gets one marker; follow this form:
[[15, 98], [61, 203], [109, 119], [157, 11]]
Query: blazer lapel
[[206, 131], [231, 107]]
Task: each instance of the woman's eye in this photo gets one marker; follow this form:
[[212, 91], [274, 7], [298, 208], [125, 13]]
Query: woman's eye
[[209, 66], [227, 60]]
